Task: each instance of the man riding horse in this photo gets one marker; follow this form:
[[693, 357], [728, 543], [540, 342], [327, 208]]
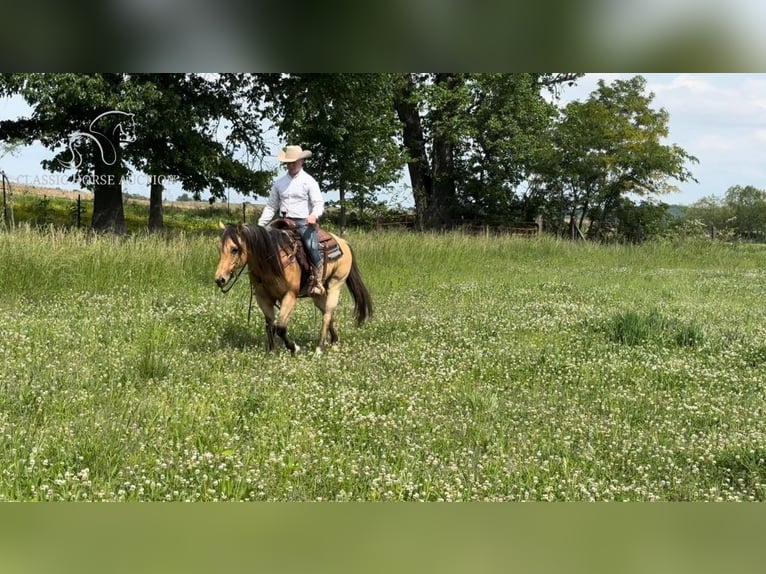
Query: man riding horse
[[296, 196]]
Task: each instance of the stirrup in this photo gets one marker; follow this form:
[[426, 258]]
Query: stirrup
[[315, 286]]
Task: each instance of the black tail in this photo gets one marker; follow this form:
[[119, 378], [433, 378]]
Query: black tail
[[362, 299]]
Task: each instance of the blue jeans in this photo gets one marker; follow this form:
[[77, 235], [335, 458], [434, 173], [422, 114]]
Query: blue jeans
[[310, 240]]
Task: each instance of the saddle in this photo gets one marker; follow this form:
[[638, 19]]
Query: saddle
[[328, 246]]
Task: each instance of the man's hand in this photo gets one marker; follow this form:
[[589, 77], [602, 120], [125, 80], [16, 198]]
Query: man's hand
[[311, 219]]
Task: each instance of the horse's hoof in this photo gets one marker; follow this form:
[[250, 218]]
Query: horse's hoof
[[318, 352]]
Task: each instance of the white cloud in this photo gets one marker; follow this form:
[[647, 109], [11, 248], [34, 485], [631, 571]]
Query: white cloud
[[712, 143], [689, 82]]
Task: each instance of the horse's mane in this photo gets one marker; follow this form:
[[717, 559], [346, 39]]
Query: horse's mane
[[264, 246]]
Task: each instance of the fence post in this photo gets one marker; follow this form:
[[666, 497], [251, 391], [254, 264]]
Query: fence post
[[244, 212], [79, 210]]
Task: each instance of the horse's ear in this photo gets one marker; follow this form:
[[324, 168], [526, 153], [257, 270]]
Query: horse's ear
[[221, 225]]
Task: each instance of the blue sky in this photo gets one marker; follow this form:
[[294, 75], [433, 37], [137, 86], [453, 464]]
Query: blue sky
[[719, 118]]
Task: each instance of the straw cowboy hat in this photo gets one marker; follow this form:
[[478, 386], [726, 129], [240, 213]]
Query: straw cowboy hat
[[293, 153]]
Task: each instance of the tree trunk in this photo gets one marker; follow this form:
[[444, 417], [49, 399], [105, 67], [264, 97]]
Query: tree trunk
[[108, 214], [583, 214], [414, 140], [155, 205], [438, 213], [342, 220], [108, 171], [443, 162]]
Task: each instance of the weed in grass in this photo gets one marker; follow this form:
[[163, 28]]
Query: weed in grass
[[638, 328]]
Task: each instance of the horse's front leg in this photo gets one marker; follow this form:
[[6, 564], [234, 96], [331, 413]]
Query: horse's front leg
[[286, 307], [270, 331], [267, 308]]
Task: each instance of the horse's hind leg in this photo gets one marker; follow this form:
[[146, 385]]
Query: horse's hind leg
[[333, 333], [328, 305]]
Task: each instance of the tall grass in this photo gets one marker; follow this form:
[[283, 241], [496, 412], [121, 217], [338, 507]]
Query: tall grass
[[39, 262], [495, 368], [636, 328]]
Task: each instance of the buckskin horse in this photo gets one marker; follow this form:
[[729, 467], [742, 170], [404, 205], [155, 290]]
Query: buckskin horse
[[279, 270]]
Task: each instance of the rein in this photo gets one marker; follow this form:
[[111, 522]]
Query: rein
[[231, 284]]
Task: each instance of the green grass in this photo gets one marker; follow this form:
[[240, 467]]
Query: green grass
[[636, 328], [507, 369]]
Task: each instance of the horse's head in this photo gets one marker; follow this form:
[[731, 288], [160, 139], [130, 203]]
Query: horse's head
[[232, 254]]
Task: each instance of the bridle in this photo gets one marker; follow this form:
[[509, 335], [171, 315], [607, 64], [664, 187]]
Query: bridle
[[226, 288]]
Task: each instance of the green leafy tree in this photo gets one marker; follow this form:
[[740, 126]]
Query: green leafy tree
[[713, 211], [102, 126], [605, 148], [348, 122], [633, 222], [748, 208], [71, 116], [200, 131], [472, 139]]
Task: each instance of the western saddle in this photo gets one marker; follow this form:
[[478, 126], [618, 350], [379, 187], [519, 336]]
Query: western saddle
[[328, 246]]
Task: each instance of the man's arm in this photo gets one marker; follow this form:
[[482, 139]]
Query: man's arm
[[272, 205], [316, 203]]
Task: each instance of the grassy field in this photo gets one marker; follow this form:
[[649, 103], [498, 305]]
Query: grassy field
[[494, 369]]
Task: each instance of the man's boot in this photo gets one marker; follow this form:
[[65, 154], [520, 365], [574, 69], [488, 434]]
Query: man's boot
[[317, 280]]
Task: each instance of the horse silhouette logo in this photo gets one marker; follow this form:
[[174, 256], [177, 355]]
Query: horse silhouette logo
[[106, 129]]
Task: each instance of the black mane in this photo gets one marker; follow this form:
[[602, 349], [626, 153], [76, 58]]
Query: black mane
[[264, 247]]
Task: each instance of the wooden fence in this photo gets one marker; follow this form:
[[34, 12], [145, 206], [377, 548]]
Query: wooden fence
[[529, 229]]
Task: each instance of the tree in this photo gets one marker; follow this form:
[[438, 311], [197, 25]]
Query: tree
[[713, 211], [349, 124], [104, 125], [10, 148], [471, 139], [72, 114], [606, 147], [195, 128], [633, 222], [748, 208]]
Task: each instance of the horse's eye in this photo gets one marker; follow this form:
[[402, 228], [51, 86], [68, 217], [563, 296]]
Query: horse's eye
[[235, 250]]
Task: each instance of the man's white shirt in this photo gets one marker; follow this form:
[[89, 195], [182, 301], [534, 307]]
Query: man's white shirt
[[296, 197]]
